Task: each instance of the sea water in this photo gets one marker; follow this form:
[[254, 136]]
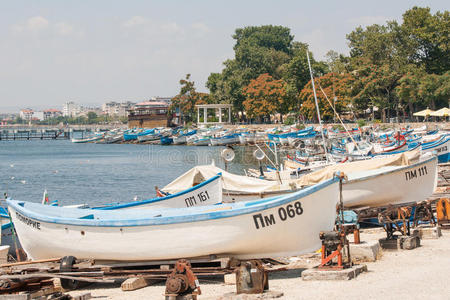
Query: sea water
[[99, 173]]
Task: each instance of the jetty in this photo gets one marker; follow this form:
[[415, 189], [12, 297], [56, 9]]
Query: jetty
[[46, 133]]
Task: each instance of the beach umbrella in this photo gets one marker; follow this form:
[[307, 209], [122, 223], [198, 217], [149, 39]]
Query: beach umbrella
[[423, 113], [443, 112]]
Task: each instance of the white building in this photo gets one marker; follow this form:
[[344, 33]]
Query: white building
[[117, 109], [51, 113], [26, 114], [38, 116], [71, 109]]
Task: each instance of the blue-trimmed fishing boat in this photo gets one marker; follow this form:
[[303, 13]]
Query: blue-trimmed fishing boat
[[440, 147], [280, 226]]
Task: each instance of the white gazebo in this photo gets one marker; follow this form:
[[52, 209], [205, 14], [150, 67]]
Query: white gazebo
[[218, 108]]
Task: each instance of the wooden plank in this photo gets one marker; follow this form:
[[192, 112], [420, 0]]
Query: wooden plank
[[15, 297], [30, 262], [49, 275], [135, 283]]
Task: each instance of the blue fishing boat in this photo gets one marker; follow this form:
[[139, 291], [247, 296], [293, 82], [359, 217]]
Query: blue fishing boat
[[165, 140]]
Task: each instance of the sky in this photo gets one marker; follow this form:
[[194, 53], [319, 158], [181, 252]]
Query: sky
[[97, 51]]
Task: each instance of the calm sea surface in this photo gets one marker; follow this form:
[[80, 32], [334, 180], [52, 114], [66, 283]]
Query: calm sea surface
[[96, 173]]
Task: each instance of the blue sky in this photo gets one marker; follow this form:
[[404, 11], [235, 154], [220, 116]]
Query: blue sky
[[96, 51]]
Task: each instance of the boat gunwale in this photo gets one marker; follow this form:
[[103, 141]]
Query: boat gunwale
[[155, 200], [437, 143]]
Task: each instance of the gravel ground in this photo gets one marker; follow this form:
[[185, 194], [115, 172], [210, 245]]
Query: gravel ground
[[422, 273]]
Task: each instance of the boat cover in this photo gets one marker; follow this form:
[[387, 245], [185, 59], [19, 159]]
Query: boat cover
[[234, 182], [231, 182], [402, 159]]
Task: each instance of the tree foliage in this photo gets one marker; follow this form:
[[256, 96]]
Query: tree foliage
[[264, 96], [187, 98], [336, 87], [399, 67]]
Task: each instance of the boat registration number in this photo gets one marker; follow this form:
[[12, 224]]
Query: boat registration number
[[416, 173], [284, 213], [28, 221], [192, 200]]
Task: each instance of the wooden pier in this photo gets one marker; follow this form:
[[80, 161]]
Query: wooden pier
[[39, 133], [34, 134]]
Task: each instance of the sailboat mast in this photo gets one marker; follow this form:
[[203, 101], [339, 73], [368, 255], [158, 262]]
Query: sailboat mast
[[317, 106]]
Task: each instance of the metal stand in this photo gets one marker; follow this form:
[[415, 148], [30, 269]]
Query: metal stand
[[182, 282], [334, 242], [251, 278]]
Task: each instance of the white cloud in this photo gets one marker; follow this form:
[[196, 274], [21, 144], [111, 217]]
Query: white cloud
[[201, 28], [369, 20], [135, 21], [37, 23], [63, 28], [33, 24], [172, 28]]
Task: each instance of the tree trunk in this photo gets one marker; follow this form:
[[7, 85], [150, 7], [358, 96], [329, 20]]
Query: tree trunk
[[411, 110]]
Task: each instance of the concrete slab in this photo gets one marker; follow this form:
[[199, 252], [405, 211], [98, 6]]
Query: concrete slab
[[345, 274], [400, 242], [365, 251], [265, 295], [429, 232]]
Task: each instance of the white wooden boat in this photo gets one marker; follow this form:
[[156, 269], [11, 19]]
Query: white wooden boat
[[88, 139], [379, 181], [179, 140], [280, 226], [391, 185], [208, 192]]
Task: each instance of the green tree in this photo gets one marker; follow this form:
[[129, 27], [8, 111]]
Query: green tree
[[258, 50], [91, 117], [296, 73], [428, 39], [187, 98]]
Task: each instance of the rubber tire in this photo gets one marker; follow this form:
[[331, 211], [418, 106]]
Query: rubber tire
[[66, 265]]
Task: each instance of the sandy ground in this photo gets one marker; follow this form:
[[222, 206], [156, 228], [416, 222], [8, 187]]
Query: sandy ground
[[421, 273]]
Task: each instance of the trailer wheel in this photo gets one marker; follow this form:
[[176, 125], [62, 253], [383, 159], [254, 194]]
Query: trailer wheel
[[66, 265]]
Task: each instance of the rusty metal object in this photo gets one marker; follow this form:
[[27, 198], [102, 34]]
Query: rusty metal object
[[423, 212], [333, 243], [395, 219], [443, 212], [356, 236], [182, 281], [251, 278]]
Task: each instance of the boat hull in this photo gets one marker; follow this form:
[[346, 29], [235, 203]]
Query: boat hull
[[413, 183], [289, 226], [406, 184]]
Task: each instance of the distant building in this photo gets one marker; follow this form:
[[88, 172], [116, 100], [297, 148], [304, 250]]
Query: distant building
[[84, 110], [167, 100], [117, 109], [26, 114], [52, 113], [71, 109], [149, 114], [7, 118], [38, 116]]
